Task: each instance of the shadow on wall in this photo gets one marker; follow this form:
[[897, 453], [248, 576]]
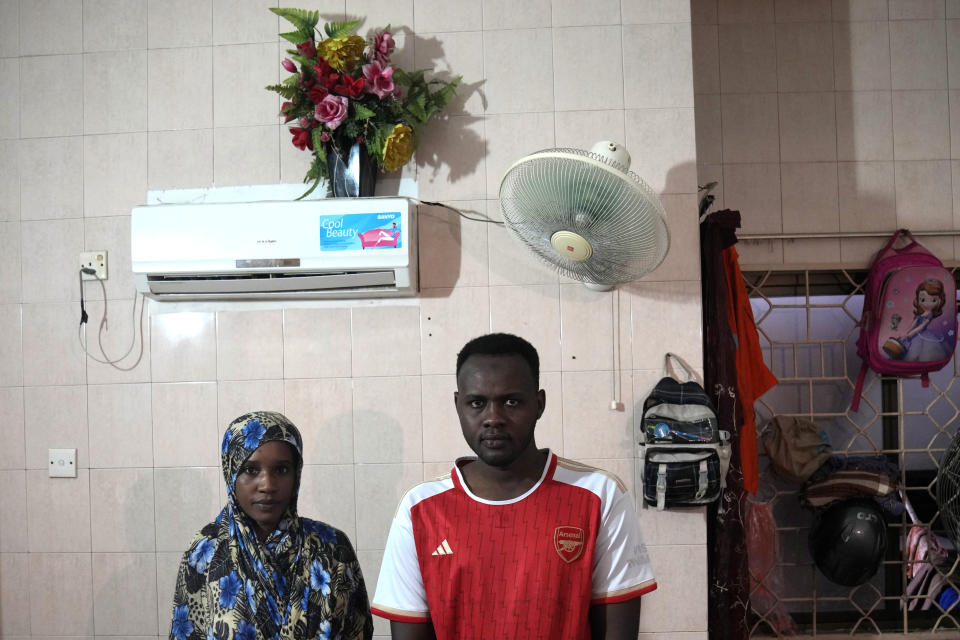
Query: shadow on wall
[[820, 152], [441, 133], [678, 196], [116, 574]]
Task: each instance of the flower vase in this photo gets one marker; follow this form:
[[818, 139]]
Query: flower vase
[[354, 176]]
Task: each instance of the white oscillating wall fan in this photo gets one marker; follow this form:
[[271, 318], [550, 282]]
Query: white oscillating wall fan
[[586, 214]]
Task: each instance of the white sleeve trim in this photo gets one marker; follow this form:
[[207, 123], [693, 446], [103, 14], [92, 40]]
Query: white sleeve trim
[[620, 559], [400, 584]]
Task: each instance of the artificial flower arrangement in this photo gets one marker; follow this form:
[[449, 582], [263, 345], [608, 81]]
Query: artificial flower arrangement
[[344, 90]]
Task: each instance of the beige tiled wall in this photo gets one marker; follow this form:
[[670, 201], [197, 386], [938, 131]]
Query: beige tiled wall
[[104, 100], [830, 116]]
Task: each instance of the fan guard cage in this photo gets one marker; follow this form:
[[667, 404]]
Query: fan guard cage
[[948, 489], [593, 196]]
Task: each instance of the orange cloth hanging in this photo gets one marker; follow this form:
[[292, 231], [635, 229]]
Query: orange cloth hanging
[[753, 377]]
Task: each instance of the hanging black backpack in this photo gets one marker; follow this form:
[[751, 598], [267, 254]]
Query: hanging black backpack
[[685, 455]]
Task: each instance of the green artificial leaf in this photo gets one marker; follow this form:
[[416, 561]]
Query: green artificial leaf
[[303, 60], [337, 29], [318, 150], [352, 129], [303, 19], [376, 138], [286, 91], [303, 195], [372, 120], [296, 37], [408, 79], [446, 93], [418, 108], [400, 77], [318, 168], [360, 112]]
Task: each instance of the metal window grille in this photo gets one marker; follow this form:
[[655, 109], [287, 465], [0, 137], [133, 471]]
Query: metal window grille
[[807, 322]]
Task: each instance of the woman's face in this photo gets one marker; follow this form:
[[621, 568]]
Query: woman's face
[[265, 485], [927, 301]]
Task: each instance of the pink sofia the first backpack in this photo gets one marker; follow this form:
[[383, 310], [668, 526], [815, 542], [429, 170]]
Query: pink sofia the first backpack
[[909, 321]]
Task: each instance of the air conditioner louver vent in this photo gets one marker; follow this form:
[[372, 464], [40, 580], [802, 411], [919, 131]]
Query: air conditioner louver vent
[[269, 282], [333, 248]]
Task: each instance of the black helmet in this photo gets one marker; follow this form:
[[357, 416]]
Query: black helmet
[[848, 540]]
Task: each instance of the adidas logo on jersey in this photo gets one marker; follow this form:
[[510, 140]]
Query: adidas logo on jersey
[[443, 550]]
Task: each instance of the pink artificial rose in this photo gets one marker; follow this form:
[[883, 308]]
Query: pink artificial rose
[[288, 65], [379, 81], [383, 46], [332, 110]]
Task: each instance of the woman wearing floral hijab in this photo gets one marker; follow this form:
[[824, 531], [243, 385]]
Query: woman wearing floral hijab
[[259, 571]]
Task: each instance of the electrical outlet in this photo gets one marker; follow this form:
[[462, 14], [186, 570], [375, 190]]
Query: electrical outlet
[[96, 260], [63, 463]]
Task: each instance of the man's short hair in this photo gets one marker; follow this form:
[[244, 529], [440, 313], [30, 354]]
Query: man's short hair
[[501, 344]]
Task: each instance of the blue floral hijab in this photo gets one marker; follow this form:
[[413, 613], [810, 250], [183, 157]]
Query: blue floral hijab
[[302, 582]]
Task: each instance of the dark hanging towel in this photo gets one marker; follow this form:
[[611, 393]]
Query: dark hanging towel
[[729, 580]]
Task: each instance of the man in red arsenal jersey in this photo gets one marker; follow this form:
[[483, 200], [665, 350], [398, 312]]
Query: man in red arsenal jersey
[[516, 543]]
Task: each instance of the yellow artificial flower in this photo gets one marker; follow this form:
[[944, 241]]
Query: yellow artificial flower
[[398, 148], [342, 53]]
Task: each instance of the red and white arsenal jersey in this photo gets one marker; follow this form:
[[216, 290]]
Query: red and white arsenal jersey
[[529, 567]]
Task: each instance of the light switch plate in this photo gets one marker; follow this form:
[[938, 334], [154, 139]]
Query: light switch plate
[[63, 463]]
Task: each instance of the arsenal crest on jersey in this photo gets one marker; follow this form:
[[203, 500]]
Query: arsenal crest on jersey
[[568, 541]]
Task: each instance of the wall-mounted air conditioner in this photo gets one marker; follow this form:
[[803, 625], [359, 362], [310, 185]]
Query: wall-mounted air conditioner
[[332, 248]]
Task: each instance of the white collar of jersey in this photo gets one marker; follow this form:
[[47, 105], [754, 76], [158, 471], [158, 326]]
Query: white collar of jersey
[[466, 489]]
